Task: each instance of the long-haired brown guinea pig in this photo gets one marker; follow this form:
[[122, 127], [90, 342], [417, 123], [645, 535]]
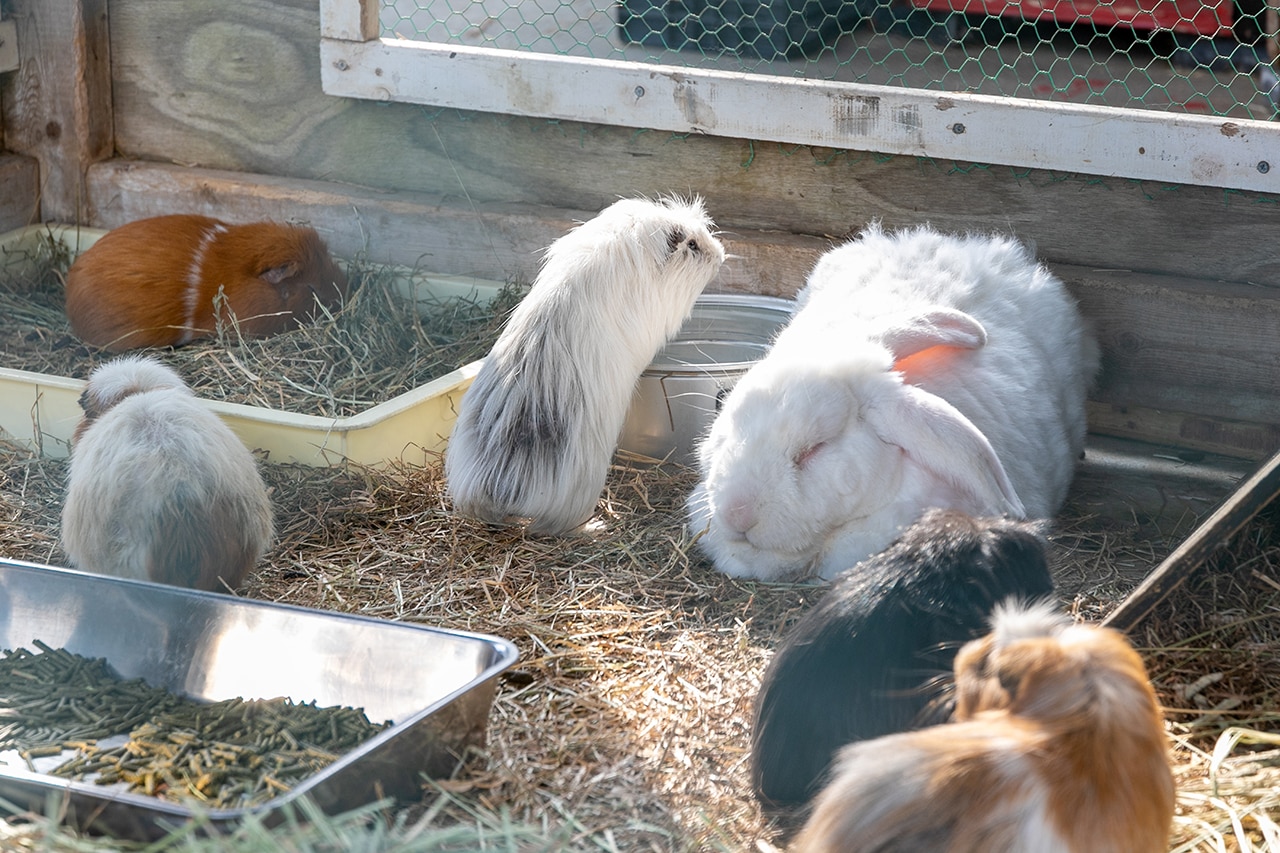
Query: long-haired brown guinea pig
[[159, 488], [155, 282], [1058, 746]]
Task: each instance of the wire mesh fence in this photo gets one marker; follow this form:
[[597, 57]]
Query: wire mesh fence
[[1213, 58]]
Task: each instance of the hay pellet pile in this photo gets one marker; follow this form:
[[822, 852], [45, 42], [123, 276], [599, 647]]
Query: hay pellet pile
[[222, 755]]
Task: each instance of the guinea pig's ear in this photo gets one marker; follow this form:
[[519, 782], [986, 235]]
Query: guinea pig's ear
[[975, 687], [944, 442], [675, 236], [941, 327], [277, 274]]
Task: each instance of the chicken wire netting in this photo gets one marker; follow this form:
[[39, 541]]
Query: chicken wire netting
[[1212, 58]]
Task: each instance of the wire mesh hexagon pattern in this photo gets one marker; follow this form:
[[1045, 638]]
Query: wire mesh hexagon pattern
[[1213, 58]]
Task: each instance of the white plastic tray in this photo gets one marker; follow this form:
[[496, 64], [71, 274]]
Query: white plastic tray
[[42, 410]]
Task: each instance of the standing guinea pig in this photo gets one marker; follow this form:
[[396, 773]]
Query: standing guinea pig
[[155, 282], [159, 488], [872, 656], [538, 428], [920, 370], [1059, 746]]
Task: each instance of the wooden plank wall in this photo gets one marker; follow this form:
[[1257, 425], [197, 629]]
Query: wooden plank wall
[[56, 108], [218, 108], [19, 191]]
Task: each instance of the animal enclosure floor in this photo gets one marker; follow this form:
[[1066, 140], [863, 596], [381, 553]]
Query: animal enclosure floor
[[628, 715], [1131, 504]]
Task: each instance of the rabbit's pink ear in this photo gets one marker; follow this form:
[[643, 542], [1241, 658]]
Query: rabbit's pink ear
[[942, 327], [945, 443]]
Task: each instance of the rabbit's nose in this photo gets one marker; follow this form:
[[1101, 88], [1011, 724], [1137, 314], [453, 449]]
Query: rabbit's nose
[[740, 515]]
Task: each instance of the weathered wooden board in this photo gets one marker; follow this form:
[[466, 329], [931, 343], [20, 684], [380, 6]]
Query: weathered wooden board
[[960, 125], [236, 86], [1185, 345], [1186, 361], [19, 191], [57, 106], [1210, 433], [8, 49], [491, 240]]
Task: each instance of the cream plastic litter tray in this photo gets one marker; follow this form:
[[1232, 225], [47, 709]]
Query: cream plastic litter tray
[[42, 410]]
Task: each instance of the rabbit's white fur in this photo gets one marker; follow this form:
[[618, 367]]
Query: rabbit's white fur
[[1058, 747], [538, 428], [159, 488], [921, 370]]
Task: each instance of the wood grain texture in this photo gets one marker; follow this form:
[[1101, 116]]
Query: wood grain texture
[[491, 240], [1194, 432], [57, 106], [19, 191], [1191, 346], [236, 86]]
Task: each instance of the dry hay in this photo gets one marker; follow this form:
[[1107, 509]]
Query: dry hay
[[1213, 650], [376, 345], [625, 723], [628, 713]]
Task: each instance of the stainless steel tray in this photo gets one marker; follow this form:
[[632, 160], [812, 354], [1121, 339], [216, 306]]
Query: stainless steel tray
[[679, 394], [435, 685]]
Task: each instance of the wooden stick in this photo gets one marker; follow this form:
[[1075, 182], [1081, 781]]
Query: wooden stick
[[1243, 504]]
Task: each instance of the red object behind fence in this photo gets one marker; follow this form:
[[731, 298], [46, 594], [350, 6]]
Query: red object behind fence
[[1206, 19]]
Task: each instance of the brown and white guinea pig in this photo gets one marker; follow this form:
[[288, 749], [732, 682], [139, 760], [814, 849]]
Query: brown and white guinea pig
[[875, 654], [154, 282], [538, 428], [1059, 745], [159, 488]]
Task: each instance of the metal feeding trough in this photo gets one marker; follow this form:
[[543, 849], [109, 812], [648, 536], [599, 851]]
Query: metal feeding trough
[[434, 686], [680, 392]]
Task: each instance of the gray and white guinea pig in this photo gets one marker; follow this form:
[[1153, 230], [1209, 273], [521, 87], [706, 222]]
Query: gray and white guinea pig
[[155, 282], [875, 654], [159, 488], [920, 370], [538, 428], [1058, 746]]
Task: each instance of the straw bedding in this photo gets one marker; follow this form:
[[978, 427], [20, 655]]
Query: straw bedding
[[625, 724], [628, 715], [368, 351]]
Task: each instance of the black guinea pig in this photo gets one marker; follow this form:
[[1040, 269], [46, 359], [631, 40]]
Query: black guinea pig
[[874, 655]]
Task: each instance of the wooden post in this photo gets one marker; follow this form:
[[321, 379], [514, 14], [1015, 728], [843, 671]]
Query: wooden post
[[56, 107], [342, 19]]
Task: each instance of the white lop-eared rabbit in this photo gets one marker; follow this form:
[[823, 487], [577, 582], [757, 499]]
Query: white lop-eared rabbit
[[875, 654], [920, 370], [1058, 747], [159, 488], [538, 428]]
